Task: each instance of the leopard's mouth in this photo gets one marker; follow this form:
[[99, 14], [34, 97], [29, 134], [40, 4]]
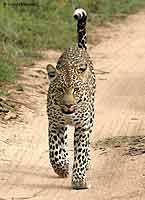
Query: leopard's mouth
[[68, 112]]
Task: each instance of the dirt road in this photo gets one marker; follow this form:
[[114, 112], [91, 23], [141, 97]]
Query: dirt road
[[118, 165]]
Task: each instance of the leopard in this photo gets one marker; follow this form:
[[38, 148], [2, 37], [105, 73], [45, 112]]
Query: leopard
[[70, 102]]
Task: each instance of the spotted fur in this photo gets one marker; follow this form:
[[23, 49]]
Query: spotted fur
[[81, 16], [70, 101]]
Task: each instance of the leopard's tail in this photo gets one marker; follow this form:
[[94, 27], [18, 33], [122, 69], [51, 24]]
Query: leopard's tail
[[81, 16]]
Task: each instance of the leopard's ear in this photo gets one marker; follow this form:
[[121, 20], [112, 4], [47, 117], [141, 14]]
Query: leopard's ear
[[51, 72]]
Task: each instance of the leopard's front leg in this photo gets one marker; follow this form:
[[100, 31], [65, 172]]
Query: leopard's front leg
[[57, 149], [81, 155]]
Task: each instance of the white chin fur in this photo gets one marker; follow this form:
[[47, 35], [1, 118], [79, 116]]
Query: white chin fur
[[80, 12]]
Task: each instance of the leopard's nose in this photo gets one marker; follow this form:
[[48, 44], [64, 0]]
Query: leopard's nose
[[68, 101], [69, 105], [68, 109]]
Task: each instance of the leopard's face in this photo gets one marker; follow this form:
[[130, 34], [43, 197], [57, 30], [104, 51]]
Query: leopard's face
[[69, 80]]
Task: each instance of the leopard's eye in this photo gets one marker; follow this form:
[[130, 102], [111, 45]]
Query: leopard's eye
[[83, 67], [61, 90]]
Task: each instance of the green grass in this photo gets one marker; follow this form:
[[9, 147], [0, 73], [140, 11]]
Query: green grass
[[26, 29], [109, 10], [7, 70], [3, 93]]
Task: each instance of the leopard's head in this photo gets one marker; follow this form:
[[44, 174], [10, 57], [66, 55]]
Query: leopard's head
[[69, 81]]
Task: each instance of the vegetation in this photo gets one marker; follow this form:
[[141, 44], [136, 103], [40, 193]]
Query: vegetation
[[28, 26]]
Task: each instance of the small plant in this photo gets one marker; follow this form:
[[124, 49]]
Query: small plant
[[19, 88]]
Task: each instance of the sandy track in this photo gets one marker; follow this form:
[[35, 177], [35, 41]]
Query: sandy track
[[25, 172]]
